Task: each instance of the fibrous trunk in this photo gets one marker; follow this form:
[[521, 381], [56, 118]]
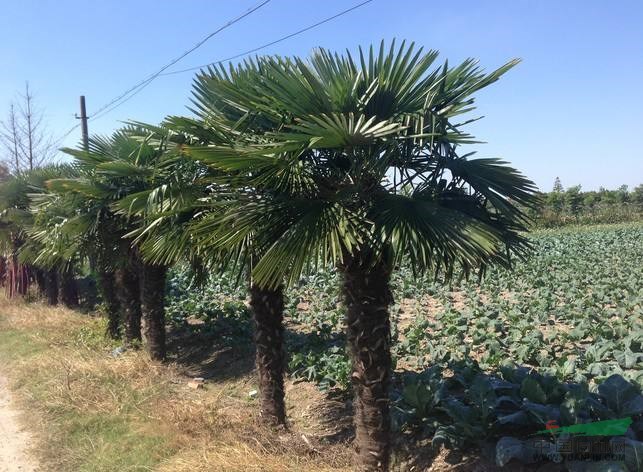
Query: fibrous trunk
[[17, 274], [153, 307], [40, 275], [17, 278], [51, 286], [3, 270], [107, 287], [367, 295], [68, 289], [129, 299], [267, 308]]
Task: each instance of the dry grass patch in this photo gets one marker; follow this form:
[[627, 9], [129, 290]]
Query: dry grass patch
[[92, 411]]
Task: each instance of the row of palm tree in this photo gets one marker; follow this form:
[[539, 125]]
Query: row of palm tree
[[21, 250], [288, 165]]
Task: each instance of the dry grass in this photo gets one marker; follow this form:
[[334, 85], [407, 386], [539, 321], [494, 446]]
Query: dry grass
[[91, 411]]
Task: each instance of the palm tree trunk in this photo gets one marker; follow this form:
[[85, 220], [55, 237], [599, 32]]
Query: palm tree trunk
[[367, 295], [3, 270], [68, 289], [51, 287], [23, 278], [41, 281], [268, 310], [107, 287], [153, 307], [129, 299], [17, 282]]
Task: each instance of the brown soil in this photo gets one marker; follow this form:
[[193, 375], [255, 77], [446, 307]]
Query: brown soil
[[14, 440]]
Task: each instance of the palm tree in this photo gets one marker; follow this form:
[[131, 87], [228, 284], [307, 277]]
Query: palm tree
[[14, 217], [139, 177], [90, 232], [48, 249], [266, 303], [20, 229], [100, 185], [361, 160], [188, 229], [213, 230]]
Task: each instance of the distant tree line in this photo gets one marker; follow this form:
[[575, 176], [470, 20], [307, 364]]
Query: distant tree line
[[574, 206]]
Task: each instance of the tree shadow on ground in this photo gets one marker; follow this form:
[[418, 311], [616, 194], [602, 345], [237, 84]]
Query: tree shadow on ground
[[319, 366], [222, 348], [218, 349]]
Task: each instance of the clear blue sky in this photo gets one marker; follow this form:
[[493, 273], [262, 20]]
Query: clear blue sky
[[573, 108]]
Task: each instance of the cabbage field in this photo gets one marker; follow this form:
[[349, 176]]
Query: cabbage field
[[573, 310], [560, 337]]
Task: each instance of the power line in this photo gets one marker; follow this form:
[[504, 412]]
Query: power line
[[283, 38], [153, 76], [134, 91], [123, 98], [63, 136], [142, 84]]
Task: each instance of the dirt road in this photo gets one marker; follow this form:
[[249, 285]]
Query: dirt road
[[13, 439]]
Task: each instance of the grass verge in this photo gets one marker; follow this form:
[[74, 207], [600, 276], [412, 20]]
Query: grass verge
[[90, 411]]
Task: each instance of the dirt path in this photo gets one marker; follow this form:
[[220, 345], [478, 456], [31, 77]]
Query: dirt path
[[13, 439]]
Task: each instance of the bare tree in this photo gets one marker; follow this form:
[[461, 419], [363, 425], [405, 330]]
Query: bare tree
[[26, 141], [10, 136]]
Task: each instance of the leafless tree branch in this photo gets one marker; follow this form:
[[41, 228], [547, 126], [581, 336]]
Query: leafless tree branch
[[27, 143]]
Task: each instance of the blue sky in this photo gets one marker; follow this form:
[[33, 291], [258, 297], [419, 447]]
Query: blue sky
[[573, 108]]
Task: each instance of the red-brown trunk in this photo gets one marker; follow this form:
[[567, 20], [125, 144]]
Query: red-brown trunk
[[17, 281]]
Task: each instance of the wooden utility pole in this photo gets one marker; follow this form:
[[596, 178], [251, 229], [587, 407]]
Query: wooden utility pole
[[83, 122]]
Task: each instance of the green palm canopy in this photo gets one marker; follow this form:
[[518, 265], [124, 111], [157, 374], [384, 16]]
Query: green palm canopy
[[354, 153]]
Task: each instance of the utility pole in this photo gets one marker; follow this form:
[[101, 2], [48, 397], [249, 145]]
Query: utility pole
[[83, 122]]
